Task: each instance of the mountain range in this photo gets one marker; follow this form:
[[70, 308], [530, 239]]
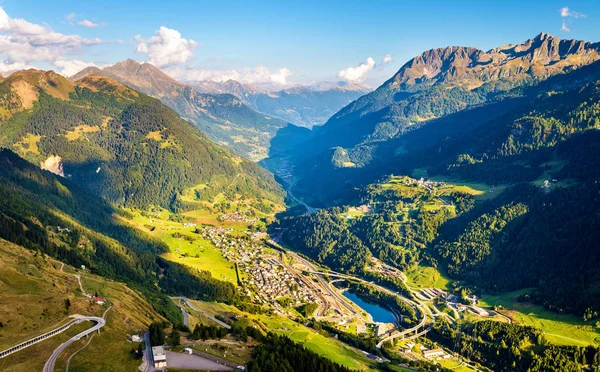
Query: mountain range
[[429, 90], [118, 142], [480, 167], [304, 106], [222, 117]]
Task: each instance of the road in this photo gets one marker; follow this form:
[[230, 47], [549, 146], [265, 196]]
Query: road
[[86, 345], [100, 322], [188, 303], [418, 306], [186, 320], [148, 355], [37, 339]]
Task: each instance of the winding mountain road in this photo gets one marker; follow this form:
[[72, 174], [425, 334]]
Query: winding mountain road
[[100, 322]]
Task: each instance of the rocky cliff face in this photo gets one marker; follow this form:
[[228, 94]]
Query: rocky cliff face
[[541, 56]]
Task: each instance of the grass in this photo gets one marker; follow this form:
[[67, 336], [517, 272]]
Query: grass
[[560, 329], [29, 143], [312, 340], [34, 357], [77, 131], [32, 294], [427, 277], [454, 365], [199, 253]]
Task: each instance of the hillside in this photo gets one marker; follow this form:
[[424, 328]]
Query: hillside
[[530, 153], [119, 143], [223, 117], [304, 106], [33, 299], [380, 131]]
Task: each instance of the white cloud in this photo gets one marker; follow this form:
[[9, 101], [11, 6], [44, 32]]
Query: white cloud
[[166, 47], [566, 12], [255, 75], [568, 16], [71, 67], [9, 67], [281, 76], [358, 74], [22, 42], [88, 24]]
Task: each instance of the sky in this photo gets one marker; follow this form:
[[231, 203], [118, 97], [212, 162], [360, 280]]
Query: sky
[[280, 42]]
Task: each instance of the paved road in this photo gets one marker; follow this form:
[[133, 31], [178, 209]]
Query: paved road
[[37, 339], [100, 322], [421, 308], [186, 320], [86, 345], [187, 302]]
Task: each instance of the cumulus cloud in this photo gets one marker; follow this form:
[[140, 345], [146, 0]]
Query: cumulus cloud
[[88, 24], [255, 75], [358, 74], [166, 47], [22, 42], [9, 67], [71, 67]]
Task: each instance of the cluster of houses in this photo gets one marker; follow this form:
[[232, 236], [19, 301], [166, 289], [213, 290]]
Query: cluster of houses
[[237, 217], [271, 280], [236, 249], [267, 279]]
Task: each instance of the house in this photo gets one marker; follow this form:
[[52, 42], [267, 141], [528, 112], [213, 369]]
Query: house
[[434, 353], [479, 311], [159, 357], [99, 301], [188, 350]]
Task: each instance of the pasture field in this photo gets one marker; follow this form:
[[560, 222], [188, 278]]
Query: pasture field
[[560, 329]]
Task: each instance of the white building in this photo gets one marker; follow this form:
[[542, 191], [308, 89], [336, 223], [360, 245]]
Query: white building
[[159, 357]]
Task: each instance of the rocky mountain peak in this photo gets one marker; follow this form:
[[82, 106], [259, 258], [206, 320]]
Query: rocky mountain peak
[[542, 55]]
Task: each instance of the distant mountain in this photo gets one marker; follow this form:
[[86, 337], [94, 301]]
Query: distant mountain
[[431, 90], [304, 106], [118, 142], [223, 117]]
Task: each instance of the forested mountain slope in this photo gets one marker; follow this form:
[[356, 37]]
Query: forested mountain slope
[[223, 117], [119, 143], [431, 89], [537, 142], [47, 213]]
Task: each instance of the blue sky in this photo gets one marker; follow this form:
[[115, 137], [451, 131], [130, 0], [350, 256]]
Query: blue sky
[[281, 41]]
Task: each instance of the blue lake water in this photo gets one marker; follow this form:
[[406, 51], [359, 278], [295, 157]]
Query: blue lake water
[[378, 312]]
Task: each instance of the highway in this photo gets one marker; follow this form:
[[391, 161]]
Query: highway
[[421, 308], [100, 322], [187, 302]]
